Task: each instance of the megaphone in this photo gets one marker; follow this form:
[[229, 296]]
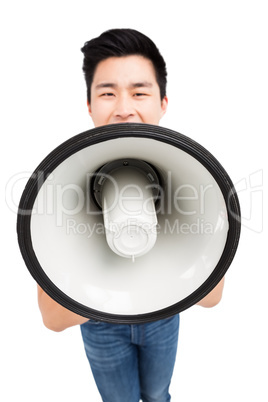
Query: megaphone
[[128, 223]]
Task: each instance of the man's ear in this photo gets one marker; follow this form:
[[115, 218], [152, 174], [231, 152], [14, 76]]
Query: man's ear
[[89, 108], [164, 104]]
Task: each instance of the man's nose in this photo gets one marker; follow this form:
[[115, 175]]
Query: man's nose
[[124, 108]]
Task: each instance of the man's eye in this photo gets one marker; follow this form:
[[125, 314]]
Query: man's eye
[[139, 94], [107, 94]]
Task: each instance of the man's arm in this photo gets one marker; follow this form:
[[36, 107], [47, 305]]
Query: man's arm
[[214, 297], [56, 317]]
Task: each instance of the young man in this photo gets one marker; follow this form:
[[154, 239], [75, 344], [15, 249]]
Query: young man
[[126, 82]]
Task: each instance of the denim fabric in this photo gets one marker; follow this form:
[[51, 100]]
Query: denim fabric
[[132, 362]]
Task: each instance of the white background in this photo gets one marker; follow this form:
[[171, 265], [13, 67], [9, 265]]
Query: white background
[[216, 53]]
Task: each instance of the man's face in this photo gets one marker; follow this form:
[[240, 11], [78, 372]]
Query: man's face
[[125, 90]]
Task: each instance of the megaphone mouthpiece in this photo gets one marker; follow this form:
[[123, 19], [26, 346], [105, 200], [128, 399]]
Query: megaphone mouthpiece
[[128, 207]]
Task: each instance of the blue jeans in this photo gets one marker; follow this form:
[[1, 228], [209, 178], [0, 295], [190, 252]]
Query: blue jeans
[[132, 362]]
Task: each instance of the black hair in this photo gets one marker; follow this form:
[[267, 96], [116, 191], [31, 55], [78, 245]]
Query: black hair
[[118, 43]]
